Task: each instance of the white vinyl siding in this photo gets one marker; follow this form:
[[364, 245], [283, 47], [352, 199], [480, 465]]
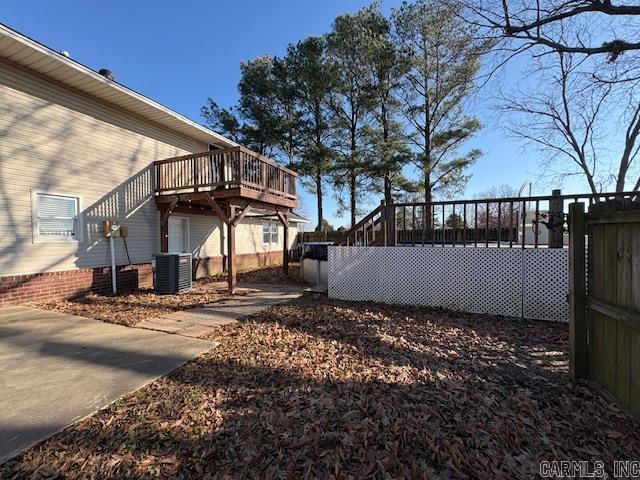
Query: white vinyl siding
[[208, 236], [55, 218], [59, 141], [55, 139], [250, 237], [205, 232]]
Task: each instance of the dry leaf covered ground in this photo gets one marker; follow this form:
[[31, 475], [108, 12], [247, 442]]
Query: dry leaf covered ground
[[328, 389], [271, 275], [129, 309]]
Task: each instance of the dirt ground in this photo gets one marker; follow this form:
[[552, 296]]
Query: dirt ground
[[328, 389], [129, 309]]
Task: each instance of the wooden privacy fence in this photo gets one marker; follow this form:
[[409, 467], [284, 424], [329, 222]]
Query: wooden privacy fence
[[605, 298]]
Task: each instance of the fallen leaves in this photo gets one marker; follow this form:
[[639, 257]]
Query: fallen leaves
[[327, 389], [272, 275], [129, 309]]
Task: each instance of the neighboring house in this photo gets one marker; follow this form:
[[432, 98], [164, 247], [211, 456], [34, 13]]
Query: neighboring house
[[77, 148]]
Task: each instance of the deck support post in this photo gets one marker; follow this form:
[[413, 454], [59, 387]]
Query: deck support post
[[165, 212], [284, 219], [390, 225], [231, 250]]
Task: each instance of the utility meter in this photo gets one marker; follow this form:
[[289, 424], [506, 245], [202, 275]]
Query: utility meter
[[111, 228]]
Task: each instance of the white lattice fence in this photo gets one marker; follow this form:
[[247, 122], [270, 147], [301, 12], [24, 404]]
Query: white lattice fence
[[514, 282]]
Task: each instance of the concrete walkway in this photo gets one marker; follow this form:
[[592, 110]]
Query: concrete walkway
[[198, 322], [57, 368]]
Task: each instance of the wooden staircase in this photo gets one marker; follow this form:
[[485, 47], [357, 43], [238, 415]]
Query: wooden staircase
[[371, 231]]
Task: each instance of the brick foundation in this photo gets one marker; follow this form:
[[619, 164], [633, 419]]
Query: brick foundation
[[210, 266], [21, 289]]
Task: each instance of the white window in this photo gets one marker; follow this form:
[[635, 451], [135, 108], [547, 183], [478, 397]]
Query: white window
[[270, 231], [56, 218]]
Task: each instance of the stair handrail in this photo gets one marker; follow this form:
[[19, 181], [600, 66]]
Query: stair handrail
[[343, 239]]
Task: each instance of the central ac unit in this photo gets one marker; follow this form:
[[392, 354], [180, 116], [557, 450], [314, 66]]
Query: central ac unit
[[173, 273]]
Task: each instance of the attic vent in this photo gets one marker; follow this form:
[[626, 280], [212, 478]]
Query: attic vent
[[106, 73]]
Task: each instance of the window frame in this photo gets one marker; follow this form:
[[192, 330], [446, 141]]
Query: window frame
[[272, 230], [35, 218], [186, 232]]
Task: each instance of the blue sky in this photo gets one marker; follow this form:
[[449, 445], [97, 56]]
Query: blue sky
[[180, 53]]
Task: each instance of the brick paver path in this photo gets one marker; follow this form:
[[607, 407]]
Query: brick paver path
[[198, 322]]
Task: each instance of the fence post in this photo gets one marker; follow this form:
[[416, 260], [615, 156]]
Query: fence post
[[578, 367], [390, 224], [556, 220]]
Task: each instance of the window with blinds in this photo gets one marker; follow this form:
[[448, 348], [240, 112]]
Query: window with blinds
[[56, 217]]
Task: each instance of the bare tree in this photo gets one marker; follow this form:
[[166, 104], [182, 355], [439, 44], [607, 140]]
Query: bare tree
[[498, 213], [571, 118], [583, 111], [546, 22]]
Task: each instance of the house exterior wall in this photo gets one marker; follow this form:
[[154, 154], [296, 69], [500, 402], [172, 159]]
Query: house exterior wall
[[205, 239], [253, 253], [207, 236], [54, 139], [249, 237], [61, 141], [21, 289]]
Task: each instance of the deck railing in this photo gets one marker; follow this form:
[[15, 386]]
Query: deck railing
[[223, 169], [513, 222]]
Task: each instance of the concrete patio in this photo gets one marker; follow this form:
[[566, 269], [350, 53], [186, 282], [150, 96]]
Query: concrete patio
[[58, 368]]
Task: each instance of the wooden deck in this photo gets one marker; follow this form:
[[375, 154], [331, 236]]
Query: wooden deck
[[229, 184], [229, 173]]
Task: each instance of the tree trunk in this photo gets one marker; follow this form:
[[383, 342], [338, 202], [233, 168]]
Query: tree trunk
[[352, 197], [319, 195], [388, 199], [428, 193], [353, 173], [428, 198], [427, 151]]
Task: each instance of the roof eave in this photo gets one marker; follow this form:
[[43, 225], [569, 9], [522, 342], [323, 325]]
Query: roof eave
[[93, 82]]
